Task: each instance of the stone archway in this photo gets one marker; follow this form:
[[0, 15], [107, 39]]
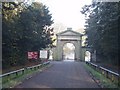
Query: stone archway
[[68, 36]]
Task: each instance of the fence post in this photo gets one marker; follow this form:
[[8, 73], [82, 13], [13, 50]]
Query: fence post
[[112, 78], [34, 68], [8, 77], [22, 71], [16, 73], [107, 74], [119, 81]]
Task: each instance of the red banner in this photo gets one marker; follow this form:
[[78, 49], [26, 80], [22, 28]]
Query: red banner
[[32, 55]]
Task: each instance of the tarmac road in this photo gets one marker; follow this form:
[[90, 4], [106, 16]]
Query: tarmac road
[[63, 74]]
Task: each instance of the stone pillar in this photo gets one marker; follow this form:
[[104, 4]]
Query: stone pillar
[[54, 53], [77, 50], [59, 50], [80, 43], [83, 50]]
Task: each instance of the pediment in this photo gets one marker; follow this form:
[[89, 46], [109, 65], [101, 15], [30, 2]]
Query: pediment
[[69, 33]]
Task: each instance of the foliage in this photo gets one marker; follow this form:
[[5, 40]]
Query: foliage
[[25, 28], [102, 29]]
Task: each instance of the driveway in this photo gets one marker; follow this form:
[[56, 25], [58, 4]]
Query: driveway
[[62, 74]]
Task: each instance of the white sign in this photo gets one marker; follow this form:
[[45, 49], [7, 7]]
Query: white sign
[[43, 54]]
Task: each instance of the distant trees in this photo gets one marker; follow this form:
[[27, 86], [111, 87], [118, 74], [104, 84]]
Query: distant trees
[[102, 21], [68, 48], [24, 28]]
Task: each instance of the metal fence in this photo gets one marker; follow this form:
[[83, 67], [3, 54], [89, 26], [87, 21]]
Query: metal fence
[[22, 71], [114, 77]]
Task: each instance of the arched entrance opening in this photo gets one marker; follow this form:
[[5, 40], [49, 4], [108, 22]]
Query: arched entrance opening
[[87, 56], [69, 51]]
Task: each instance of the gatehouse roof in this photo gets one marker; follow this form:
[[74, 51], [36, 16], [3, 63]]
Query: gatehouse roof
[[69, 32]]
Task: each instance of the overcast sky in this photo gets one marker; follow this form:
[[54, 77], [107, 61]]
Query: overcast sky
[[67, 11]]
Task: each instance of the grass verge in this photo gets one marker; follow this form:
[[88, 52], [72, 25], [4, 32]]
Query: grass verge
[[10, 83], [101, 79]]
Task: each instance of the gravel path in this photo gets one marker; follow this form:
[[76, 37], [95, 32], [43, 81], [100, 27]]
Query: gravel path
[[63, 74]]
